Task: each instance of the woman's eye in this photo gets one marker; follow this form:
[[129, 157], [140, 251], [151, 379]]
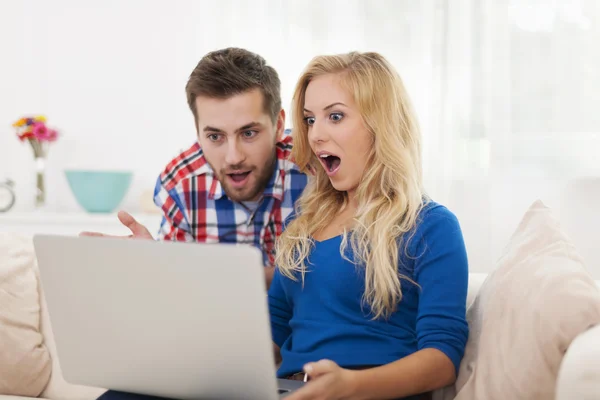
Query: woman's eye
[[336, 117], [250, 134], [309, 120]]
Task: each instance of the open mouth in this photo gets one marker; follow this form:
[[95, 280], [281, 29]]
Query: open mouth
[[239, 176], [330, 162]]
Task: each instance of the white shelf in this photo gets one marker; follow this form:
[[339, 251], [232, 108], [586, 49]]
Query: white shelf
[[71, 223]]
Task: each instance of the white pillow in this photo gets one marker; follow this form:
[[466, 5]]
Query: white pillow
[[539, 298], [25, 364]]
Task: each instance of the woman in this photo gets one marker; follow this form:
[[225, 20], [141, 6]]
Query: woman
[[370, 292]]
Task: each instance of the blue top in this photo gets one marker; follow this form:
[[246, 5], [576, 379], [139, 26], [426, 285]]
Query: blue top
[[325, 320]]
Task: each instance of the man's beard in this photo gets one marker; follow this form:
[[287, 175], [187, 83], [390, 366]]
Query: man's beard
[[261, 178]]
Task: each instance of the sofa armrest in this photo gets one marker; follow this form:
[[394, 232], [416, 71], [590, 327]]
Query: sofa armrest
[[579, 373]]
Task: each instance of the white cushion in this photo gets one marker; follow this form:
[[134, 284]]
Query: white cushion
[[526, 314], [579, 376], [25, 364]]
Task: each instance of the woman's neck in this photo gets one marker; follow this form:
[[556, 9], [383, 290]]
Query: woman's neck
[[343, 220], [345, 216], [352, 200]]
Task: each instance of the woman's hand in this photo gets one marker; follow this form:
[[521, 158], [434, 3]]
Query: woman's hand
[[327, 381]]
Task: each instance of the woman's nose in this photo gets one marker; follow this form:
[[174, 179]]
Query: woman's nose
[[317, 133]]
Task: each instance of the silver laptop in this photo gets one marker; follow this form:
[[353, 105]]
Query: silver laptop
[[175, 320]]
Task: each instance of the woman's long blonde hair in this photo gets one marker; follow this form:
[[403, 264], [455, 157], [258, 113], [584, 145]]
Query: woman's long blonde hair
[[390, 194]]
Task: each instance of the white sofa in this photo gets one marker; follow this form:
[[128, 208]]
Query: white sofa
[[579, 376], [31, 341]]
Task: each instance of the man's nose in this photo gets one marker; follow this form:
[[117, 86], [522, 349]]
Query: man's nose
[[235, 155]]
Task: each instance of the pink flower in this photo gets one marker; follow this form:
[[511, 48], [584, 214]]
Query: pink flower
[[52, 135], [42, 133]]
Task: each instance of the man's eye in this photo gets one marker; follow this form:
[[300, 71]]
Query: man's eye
[[249, 134], [213, 137], [336, 117], [309, 120]]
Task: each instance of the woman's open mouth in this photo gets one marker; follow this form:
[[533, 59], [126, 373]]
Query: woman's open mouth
[[330, 162]]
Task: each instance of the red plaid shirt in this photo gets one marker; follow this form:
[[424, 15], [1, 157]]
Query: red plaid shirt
[[196, 209]]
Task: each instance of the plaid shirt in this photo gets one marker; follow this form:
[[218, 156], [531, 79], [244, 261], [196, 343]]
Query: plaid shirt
[[196, 209]]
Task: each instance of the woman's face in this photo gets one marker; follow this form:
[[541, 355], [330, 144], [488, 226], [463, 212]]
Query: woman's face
[[336, 132]]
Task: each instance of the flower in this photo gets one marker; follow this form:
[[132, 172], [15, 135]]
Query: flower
[[20, 122], [33, 129], [40, 131], [52, 135], [26, 135]]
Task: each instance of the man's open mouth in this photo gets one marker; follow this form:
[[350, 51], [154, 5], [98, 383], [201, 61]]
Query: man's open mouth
[[330, 162], [239, 176]]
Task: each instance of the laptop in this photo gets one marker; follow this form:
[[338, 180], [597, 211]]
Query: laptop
[[175, 320]]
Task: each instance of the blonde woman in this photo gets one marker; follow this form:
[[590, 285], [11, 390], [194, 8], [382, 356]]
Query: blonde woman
[[368, 299]]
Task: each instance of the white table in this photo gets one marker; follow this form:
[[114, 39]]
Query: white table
[[42, 222]]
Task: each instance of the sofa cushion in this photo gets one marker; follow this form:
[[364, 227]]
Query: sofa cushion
[[579, 376], [526, 314], [25, 364]]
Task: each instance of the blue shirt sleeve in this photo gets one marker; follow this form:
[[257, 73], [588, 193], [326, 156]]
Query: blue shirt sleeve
[[442, 272], [280, 310], [289, 219]]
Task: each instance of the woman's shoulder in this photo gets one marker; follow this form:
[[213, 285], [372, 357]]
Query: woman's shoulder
[[438, 246], [435, 223], [433, 212]]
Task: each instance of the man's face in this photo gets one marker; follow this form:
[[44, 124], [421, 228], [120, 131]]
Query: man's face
[[238, 139]]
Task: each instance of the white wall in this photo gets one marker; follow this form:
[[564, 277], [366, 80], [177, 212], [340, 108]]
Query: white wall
[[110, 75]]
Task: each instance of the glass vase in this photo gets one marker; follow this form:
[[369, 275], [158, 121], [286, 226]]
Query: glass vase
[[40, 185]]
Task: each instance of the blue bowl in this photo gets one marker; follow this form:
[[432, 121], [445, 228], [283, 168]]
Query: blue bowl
[[99, 191]]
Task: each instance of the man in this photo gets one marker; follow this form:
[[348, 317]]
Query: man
[[235, 184]]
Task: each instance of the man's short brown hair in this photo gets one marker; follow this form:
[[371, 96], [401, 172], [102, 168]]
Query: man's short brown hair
[[224, 73]]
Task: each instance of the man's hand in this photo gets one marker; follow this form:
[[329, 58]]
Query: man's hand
[[138, 231], [327, 381]]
